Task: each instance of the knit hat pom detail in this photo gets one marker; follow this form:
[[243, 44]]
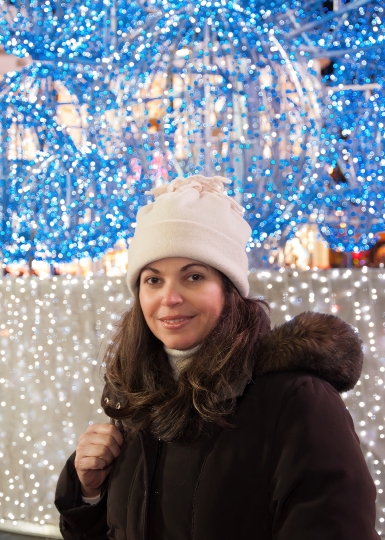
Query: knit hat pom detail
[[202, 184]]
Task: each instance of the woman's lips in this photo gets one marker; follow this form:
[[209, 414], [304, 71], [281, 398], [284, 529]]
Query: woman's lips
[[176, 323]]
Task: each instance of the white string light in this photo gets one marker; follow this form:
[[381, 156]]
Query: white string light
[[51, 332]]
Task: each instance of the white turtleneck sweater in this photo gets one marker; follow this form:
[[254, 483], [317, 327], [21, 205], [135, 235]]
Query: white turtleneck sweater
[[179, 359]]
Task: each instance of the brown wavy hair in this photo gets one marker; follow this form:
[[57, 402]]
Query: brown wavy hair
[[139, 376]]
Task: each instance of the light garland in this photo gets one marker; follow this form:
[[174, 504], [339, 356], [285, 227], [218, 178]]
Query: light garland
[[50, 335], [115, 70], [89, 33], [183, 87], [216, 93], [195, 87], [54, 328], [65, 191], [351, 34], [351, 214]]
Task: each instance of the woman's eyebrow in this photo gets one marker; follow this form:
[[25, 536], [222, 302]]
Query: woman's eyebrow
[[192, 264], [154, 270]]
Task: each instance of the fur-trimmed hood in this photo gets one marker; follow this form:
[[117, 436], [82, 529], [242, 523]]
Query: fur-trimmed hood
[[317, 342]]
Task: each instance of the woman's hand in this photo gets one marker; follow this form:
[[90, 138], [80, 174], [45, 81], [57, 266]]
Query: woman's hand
[[97, 449]]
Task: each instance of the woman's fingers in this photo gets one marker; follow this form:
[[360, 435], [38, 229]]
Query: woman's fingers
[[106, 429], [91, 463], [97, 449], [91, 481], [87, 440]]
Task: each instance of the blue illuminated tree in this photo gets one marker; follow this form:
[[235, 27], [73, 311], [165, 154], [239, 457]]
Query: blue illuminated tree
[[178, 87], [352, 212], [61, 198]]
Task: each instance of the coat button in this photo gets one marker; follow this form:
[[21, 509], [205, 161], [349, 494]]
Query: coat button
[[156, 491]]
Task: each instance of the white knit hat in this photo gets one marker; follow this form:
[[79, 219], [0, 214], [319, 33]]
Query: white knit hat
[[192, 218]]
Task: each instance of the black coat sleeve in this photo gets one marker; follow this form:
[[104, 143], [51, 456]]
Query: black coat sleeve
[[79, 521], [321, 487]]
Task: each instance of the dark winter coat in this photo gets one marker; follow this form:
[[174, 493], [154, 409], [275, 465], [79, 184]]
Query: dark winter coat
[[292, 469]]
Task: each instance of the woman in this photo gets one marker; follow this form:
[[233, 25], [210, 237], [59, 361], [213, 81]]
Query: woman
[[223, 429]]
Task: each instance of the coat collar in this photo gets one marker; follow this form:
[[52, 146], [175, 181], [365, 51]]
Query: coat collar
[[317, 342]]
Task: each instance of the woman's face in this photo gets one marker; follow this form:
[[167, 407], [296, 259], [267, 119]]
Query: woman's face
[[181, 300]]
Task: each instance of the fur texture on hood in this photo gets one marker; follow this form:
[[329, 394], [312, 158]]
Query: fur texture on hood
[[321, 343]]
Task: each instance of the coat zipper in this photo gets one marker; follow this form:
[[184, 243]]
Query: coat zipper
[[160, 444], [158, 453]]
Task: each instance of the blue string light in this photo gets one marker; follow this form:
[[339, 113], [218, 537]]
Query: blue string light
[[173, 87], [351, 34], [90, 32], [351, 213], [62, 196], [225, 97]]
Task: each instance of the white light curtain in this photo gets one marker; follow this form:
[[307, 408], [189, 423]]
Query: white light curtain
[[51, 333]]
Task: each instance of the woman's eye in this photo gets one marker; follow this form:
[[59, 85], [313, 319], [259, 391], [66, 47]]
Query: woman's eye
[[152, 280], [195, 277]]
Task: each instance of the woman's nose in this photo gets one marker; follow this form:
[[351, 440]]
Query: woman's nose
[[171, 296]]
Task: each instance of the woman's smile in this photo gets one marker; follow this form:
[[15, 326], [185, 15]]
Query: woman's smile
[[175, 323]]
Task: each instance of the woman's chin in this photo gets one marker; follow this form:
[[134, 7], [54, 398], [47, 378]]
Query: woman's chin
[[179, 344]]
